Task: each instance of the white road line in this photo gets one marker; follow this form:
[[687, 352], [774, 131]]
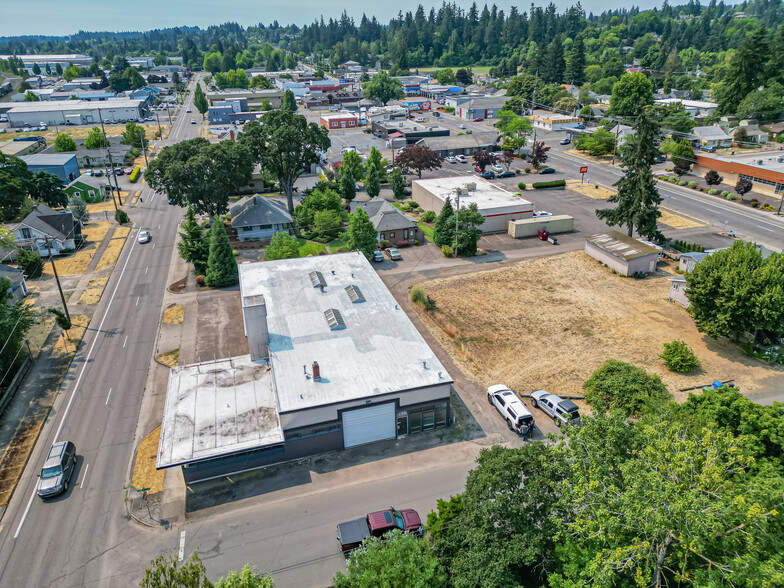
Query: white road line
[[159, 226], [81, 373], [768, 230], [126, 341], [146, 270], [137, 300], [107, 396], [153, 246], [87, 467], [181, 551]]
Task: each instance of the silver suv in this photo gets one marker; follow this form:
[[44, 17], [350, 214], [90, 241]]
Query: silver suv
[[511, 408], [563, 412], [58, 469]]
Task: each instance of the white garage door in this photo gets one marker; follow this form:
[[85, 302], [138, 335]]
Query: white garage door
[[365, 425]]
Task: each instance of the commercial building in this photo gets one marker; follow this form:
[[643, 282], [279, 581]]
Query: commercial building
[[555, 122], [471, 107], [460, 144], [340, 120], [624, 254], [412, 84], [405, 129], [439, 91], [81, 84], [89, 95], [97, 157], [416, 105], [694, 108], [254, 98], [64, 60], [764, 169], [75, 112], [63, 165], [19, 148], [334, 363], [497, 204]]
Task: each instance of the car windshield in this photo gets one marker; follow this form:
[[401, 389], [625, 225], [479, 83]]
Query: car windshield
[[400, 522], [51, 472]]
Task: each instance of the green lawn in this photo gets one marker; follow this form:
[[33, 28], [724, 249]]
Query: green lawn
[[427, 230], [340, 243], [309, 248]]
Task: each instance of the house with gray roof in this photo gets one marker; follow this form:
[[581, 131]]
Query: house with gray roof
[[713, 136], [391, 224], [256, 218], [18, 289], [59, 227], [753, 133]]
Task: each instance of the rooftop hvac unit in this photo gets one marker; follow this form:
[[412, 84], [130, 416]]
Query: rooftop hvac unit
[[471, 186], [462, 191], [759, 162]]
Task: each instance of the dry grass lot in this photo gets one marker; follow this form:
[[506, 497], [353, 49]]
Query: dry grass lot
[[92, 294], [594, 191], [76, 264], [678, 220], [170, 358], [174, 314], [113, 249], [76, 332], [549, 323], [144, 473]]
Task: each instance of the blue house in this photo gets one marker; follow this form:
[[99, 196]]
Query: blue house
[[63, 165]]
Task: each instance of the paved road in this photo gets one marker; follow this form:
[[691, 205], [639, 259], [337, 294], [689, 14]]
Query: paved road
[[83, 538]]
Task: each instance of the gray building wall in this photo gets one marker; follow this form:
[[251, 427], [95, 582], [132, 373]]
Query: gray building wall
[[626, 268], [678, 293]]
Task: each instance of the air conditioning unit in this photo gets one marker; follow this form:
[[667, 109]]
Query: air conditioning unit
[[759, 162], [470, 186]]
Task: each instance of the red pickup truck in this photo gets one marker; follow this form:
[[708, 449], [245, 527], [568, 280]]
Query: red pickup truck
[[351, 534]]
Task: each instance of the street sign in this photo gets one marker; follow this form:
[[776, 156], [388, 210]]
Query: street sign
[[584, 169]]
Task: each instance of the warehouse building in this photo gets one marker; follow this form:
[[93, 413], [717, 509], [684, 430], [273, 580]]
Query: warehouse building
[[52, 60], [497, 204], [75, 112], [64, 165], [624, 254], [764, 169], [411, 132], [334, 363], [340, 120], [254, 98]]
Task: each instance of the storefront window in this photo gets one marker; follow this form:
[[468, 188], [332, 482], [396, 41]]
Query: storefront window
[[402, 423], [415, 418]]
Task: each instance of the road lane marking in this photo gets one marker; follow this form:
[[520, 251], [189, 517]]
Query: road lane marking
[[87, 467], [107, 396], [764, 229], [181, 550], [137, 300], [125, 342], [146, 270], [153, 246], [81, 374], [159, 226]]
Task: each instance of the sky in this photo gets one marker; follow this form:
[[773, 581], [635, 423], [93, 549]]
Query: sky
[[64, 17]]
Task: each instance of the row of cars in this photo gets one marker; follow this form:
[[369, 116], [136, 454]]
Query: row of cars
[[519, 419], [118, 171]]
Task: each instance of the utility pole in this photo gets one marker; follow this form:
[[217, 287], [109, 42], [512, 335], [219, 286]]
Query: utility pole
[[144, 148], [56, 277], [160, 132], [110, 172], [457, 221], [615, 145]]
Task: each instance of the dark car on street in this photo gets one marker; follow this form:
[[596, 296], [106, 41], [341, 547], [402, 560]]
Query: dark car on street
[[547, 170], [488, 175], [378, 256], [506, 174]]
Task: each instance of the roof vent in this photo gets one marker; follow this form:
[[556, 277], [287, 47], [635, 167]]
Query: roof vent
[[317, 279], [354, 294], [334, 319]]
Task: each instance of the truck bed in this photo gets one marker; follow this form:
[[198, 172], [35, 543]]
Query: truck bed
[[351, 534]]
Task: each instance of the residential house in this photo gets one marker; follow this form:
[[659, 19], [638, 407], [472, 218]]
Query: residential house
[[678, 289], [622, 132], [390, 223], [86, 188], [64, 165], [256, 218], [57, 226], [96, 157], [18, 289], [753, 132], [694, 108], [713, 137]]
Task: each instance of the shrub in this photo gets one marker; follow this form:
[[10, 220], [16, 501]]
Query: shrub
[[682, 183], [418, 294], [521, 185], [403, 243], [678, 357], [713, 191], [754, 203], [416, 242], [429, 304], [692, 184], [134, 174], [518, 171], [447, 250], [200, 281], [624, 386], [724, 193], [672, 179], [428, 216], [235, 253], [383, 243], [528, 170], [121, 216], [551, 184], [30, 261]]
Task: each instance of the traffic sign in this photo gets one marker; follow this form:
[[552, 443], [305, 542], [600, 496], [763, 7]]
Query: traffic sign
[[584, 169]]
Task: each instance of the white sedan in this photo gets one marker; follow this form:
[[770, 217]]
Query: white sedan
[[193, 121], [451, 159], [497, 167], [461, 159], [541, 213], [144, 236]]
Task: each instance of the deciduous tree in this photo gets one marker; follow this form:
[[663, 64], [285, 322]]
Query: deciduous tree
[[64, 142], [712, 178], [194, 243], [14, 183], [418, 157], [246, 578], [95, 139], [631, 94], [200, 100], [362, 235], [483, 158], [622, 386], [134, 135], [168, 572], [348, 185], [289, 103], [383, 87], [48, 188], [538, 155], [372, 181], [468, 231], [282, 246]]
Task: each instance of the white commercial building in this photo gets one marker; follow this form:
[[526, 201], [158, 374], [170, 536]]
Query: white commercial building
[[52, 60], [75, 112], [497, 204], [555, 122], [694, 108], [334, 363]]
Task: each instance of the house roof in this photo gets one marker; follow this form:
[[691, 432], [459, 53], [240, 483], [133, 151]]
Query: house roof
[[56, 224], [713, 132], [91, 181], [48, 158], [383, 215], [621, 246], [257, 210], [460, 141], [15, 274]]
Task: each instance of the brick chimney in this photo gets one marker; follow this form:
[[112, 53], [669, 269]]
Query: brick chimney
[[316, 371]]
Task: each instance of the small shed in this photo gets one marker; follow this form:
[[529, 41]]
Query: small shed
[[622, 253], [678, 289]]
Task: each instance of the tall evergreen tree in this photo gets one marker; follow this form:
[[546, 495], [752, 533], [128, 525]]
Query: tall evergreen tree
[[194, 244], [575, 64], [745, 71], [637, 197], [221, 265], [444, 227], [554, 62], [372, 181], [348, 185], [289, 102]]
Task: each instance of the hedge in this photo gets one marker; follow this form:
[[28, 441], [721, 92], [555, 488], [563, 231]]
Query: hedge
[[134, 174], [552, 184]]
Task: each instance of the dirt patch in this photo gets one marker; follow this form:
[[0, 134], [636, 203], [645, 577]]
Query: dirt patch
[[74, 264], [92, 294], [678, 220], [17, 453], [170, 358], [179, 285], [79, 324], [174, 314], [100, 207], [591, 190], [113, 249], [95, 232], [549, 323], [144, 473]]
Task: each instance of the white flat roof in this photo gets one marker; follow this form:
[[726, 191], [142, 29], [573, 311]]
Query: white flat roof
[[373, 350], [216, 409], [75, 105], [771, 160], [486, 194], [338, 115]]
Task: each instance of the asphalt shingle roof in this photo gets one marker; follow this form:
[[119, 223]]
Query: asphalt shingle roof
[[257, 210]]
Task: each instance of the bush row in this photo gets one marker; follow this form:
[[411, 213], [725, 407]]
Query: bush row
[[552, 184]]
